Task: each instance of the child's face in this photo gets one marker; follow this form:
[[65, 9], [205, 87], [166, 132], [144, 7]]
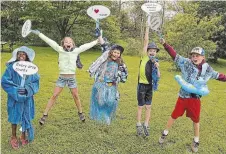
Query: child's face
[[115, 54], [21, 56], [68, 43], [151, 52], [197, 58]]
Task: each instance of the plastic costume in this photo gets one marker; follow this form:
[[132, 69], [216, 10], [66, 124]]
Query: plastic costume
[[105, 95], [20, 108]]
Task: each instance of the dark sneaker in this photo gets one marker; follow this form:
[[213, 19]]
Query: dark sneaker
[[43, 119], [162, 138], [81, 116], [139, 130], [146, 130], [195, 146]]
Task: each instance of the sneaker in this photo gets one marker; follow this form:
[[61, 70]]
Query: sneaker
[[146, 130], [43, 119], [195, 146], [81, 116], [14, 143], [162, 138], [139, 130]]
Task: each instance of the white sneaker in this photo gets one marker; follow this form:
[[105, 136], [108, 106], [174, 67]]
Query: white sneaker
[[195, 146]]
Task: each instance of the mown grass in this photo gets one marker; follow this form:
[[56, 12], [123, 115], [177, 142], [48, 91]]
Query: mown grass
[[64, 133]]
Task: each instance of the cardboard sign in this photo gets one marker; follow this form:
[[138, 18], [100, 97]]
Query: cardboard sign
[[25, 68], [151, 7], [155, 22], [26, 29], [98, 12]]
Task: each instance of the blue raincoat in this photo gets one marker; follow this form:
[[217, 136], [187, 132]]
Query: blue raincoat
[[20, 108]]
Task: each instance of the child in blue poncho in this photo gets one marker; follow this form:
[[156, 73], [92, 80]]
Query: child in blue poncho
[[20, 102]]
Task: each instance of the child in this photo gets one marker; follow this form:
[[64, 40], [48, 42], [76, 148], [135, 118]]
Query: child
[[20, 102], [108, 70], [149, 75], [68, 54], [192, 71]]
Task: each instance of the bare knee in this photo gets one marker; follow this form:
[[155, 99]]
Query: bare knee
[[54, 96], [148, 107]]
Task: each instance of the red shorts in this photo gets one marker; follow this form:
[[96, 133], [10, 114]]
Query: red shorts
[[192, 107]]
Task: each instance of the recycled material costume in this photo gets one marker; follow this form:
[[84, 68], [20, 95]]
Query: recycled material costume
[[21, 109], [107, 75]]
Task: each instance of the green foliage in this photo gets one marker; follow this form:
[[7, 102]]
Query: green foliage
[[211, 9], [186, 31], [65, 134]]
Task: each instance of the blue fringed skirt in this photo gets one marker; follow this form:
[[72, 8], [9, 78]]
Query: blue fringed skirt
[[104, 102]]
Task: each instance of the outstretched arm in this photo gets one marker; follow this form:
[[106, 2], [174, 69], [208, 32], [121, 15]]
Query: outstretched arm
[[50, 42], [168, 48], [222, 77]]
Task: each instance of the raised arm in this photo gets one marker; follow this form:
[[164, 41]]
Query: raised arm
[[168, 48], [146, 40], [50, 42]]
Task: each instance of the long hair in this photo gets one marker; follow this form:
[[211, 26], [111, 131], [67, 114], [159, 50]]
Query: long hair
[[62, 41], [119, 61]]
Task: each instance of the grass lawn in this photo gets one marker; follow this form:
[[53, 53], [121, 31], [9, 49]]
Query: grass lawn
[[64, 133]]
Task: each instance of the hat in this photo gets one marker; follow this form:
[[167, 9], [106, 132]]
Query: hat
[[152, 45], [30, 53], [198, 50], [117, 47]]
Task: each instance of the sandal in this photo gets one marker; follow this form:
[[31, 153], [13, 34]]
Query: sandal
[[23, 141], [43, 119], [14, 143]]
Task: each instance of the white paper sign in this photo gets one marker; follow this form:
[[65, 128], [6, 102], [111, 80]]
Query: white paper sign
[[155, 22], [151, 7], [26, 29], [98, 12], [25, 68]]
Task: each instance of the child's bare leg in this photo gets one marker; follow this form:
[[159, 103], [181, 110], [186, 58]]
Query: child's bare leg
[[74, 92], [139, 113], [52, 100], [147, 114], [170, 123], [23, 135], [14, 126], [196, 131]]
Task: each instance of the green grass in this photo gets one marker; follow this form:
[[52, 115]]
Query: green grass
[[64, 133]]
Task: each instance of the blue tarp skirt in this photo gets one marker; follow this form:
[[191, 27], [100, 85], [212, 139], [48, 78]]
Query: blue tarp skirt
[[104, 102]]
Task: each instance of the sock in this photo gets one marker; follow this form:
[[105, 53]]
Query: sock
[[165, 132], [146, 124], [138, 124], [196, 139]]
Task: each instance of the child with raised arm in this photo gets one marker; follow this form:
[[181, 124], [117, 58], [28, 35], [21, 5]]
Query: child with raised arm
[[108, 70], [192, 72], [149, 75], [20, 102], [68, 54]]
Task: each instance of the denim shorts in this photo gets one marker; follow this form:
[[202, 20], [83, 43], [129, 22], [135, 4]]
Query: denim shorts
[[69, 81], [144, 94]]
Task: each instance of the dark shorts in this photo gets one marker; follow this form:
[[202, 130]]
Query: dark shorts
[[192, 106], [144, 94]]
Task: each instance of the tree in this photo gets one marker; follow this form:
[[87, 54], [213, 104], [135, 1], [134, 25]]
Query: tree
[[216, 8], [186, 30]]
